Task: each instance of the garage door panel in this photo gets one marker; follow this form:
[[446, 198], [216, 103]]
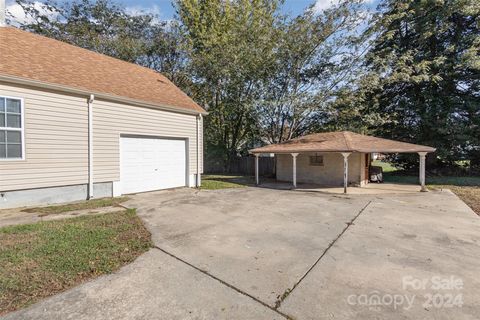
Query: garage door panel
[[152, 164]]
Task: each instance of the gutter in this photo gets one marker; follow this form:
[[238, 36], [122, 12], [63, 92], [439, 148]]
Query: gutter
[[90, 146], [98, 95]]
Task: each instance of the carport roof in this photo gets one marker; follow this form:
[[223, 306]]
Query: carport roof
[[342, 141]]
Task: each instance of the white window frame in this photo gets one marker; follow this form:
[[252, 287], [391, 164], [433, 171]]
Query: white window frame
[[21, 129]]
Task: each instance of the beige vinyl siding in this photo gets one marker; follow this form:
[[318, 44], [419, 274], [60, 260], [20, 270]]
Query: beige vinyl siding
[[56, 138], [56, 145], [110, 120]]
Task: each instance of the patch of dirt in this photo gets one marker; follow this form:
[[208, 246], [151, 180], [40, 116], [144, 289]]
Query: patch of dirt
[[470, 195], [11, 217], [76, 213]]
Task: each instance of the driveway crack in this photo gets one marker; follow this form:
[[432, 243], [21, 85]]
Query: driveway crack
[[287, 292], [224, 283]]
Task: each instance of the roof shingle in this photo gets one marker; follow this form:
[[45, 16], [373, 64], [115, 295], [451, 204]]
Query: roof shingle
[[29, 56], [342, 141]]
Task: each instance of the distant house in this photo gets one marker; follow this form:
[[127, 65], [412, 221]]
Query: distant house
[[75, 124], [334, 158]]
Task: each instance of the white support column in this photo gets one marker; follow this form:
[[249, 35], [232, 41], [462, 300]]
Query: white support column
[[294, 180], [345, 171], [257, 179], [422, 171]]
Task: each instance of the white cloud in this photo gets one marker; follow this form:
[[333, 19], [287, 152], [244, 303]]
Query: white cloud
[[321, 5], [17, 16], [139, 10]]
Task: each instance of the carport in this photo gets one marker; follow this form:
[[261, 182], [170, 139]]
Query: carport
[[326, 158]]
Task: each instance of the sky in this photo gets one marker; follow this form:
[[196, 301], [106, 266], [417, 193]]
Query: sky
[[164, 9]]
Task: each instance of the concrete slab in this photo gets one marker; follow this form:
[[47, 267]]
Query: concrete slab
[[396, 242], [233, 253], [155, 286], [258, 240], [371, 189]]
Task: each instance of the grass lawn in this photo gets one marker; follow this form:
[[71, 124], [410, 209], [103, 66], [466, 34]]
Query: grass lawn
[[214, 182], [41, 259], [386, 166], [435, 181], [91, 204]]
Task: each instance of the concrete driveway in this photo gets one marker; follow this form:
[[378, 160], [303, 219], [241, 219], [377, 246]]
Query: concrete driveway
[[270, 254]]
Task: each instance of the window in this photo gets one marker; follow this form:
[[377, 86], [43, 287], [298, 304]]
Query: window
[[316, 160], [11, 128]]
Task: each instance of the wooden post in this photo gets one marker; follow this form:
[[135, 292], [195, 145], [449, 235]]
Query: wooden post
[[294, 180], [345, 171]]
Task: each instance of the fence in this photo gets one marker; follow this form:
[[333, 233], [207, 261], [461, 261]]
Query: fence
[[244, 166]]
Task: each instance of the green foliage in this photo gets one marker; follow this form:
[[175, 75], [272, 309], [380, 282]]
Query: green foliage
[[101, 26], [425, 63], [105, 27], [316, 56], [413, 75], [265, 77], [215, 182], [230, 47]]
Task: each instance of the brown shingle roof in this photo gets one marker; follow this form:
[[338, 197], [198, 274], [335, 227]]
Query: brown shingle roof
[[29, 56], [343, 141]]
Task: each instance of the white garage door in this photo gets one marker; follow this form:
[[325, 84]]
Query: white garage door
[[151, 164]]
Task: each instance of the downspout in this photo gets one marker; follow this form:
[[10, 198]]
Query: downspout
[[90, 146], [198, 181]]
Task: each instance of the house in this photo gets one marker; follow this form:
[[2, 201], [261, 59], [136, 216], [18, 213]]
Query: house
[[334, 158], [75, 124]]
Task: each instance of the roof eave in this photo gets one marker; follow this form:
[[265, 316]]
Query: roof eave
[[428, 150], [258, 151], [101, 95], [255, 151]]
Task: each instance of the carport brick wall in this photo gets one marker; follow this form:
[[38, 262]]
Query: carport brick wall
[[331, 173]]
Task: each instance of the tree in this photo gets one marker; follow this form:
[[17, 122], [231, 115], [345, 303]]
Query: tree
[[230, 48], [426, 58], [106, 27], [100, 26], [316, 56], [166, 54]]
